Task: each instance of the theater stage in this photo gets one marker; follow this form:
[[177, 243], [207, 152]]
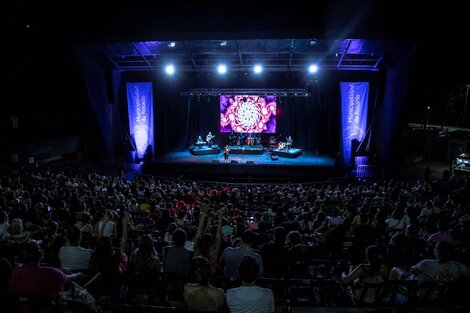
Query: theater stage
[[252, 167]]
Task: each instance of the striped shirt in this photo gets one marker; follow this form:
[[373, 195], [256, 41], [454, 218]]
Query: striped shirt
[[74, 257]]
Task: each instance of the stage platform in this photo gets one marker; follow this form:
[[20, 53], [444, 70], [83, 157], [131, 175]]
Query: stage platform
[[244, 167], [291, 153], [259, 149], [197, 151]]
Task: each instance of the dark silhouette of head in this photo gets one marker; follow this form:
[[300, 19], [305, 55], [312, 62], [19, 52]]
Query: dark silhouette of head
[[248, 270], [179, 237]]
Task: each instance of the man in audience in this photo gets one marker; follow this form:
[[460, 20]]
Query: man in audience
[[439, 269], [231, 257], [250, 298], [73, 257], [274, 254]]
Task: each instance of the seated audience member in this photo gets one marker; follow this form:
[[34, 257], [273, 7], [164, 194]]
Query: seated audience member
[[408, 247], [439, 269], [176, 264], [442, 235], [231, 257], [274, 254], [110, 263], [84, 224], [72, 256], [335, 218], [31, 280], [202, 296], [176, 259], [297, 256], [168, 237], [371, 272], [16, 233], [144, 265], [395, 224], [250, 298], [106, 226]]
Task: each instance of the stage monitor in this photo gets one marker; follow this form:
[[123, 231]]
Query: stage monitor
[[248, 114]]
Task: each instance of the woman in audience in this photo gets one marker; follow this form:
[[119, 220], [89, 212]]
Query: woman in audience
[[202, 296], [84, 224], [144, 265], [110, 263], [371, 272]]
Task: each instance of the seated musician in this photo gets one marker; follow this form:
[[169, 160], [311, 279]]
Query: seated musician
[[289, 142], [232, 138], [199, 140], [241, 138]]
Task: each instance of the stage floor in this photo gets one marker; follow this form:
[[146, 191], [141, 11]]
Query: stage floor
[[307, 166]]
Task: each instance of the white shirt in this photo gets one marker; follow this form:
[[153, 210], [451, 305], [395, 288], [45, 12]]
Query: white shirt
[[250, 299], [108, 228]]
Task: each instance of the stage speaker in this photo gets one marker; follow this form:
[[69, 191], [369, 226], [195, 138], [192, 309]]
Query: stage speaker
[[215, 161], [234, 161], [250, 162]]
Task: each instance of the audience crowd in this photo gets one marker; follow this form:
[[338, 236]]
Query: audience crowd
[[218, 247]]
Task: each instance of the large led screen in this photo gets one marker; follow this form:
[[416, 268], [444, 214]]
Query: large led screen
[[248, 114]]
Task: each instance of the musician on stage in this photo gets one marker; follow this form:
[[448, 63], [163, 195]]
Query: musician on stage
[[199, 140], [251, 139], [232, 137], [257, 139], [209, 138], [226, 152], [289, 142]]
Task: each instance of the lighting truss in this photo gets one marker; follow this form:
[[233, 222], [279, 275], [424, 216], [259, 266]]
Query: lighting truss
[[255, 92]]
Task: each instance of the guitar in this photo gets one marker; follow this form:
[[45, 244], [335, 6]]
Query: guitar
[[209, 137]]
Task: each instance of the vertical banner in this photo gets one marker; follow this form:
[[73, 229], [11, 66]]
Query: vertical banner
[[354, 103], [140, 108]]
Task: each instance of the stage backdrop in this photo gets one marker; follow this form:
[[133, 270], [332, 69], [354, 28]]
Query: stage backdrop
[[354, 102], [140, 111]]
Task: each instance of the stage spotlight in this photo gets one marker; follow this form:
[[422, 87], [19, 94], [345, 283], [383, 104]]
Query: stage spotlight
[[172, 44], [222, 69], [170, 69], [258, 69], [223, 43], [313, 68]]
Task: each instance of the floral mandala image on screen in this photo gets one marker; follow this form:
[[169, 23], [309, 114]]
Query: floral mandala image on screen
[[248, 114]]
